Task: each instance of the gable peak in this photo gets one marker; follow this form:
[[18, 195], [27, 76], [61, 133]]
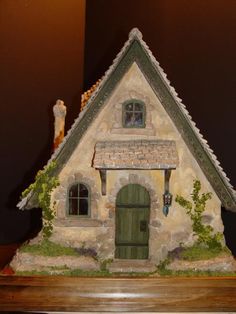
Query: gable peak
[[135, 32]]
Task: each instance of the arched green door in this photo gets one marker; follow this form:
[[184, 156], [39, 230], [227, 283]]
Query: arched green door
[[132, 219]]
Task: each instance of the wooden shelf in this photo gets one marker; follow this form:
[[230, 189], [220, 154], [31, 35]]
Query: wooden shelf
[[117, 294]]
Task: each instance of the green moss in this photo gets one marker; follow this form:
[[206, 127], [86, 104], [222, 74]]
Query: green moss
[[194, 273], [195, 209], [105, 263], [33, 273], [160, 272], [65, 272], [61, 271], [83, 273], [42, 188], [197, 252], [48, 248]]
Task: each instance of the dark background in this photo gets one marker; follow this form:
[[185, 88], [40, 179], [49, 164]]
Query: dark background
[[52, 49]]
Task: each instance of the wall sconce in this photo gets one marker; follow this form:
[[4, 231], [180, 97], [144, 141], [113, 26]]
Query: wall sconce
[[167, 201]]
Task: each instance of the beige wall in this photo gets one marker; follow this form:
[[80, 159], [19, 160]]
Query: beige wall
[[98, 231]]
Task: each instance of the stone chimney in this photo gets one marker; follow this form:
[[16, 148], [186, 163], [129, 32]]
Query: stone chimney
[[59, 110]]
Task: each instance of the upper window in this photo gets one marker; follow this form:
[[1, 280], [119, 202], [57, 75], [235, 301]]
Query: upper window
[[79, 200], [134, 114]]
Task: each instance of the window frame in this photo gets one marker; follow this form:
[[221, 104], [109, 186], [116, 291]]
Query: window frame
[[88, 198], [133, 101]]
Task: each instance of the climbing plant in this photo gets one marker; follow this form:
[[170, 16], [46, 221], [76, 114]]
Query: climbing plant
[[42, 188], [205, 233]]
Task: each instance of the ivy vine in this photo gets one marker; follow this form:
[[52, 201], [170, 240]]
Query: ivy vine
[[205, 233], [42, 187]]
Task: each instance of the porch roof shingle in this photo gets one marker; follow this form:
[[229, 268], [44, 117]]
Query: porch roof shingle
[[136, 154]]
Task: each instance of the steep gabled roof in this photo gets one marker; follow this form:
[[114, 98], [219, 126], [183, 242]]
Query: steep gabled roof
[[136, 50]]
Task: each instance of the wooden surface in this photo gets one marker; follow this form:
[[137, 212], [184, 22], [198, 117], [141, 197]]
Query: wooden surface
[[117, 294]]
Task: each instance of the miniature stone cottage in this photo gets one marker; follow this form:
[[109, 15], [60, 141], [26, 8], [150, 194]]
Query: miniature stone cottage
[[133, 147]]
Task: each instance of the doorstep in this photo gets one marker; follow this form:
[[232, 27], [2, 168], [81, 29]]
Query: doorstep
[[132, 265]]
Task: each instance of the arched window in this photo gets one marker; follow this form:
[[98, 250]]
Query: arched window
[[79, 199], [134, 114]]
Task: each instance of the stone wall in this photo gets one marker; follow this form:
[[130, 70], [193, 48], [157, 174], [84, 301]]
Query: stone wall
[[98, 231]]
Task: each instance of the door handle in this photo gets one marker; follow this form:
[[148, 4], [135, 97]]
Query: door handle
[[143, 226]]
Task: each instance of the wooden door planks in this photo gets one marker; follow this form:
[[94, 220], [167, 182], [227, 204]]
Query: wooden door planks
[[117, 294]]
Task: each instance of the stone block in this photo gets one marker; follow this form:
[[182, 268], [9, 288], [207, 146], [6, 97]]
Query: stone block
[[164, 251], [123, 181], [78, 177], [221, 263], [30, 262], [180, 236], [162, 237], [60, 194], [71, 179], [133, 178], [61, 209], [107, 250], [156, 224], [109, 223], [207, 219]]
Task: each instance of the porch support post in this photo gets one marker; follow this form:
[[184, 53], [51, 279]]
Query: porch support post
[[103, 176], [167, 196], [167, 180]]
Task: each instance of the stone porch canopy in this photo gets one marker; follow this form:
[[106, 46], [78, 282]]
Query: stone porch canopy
[[136, 154]]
